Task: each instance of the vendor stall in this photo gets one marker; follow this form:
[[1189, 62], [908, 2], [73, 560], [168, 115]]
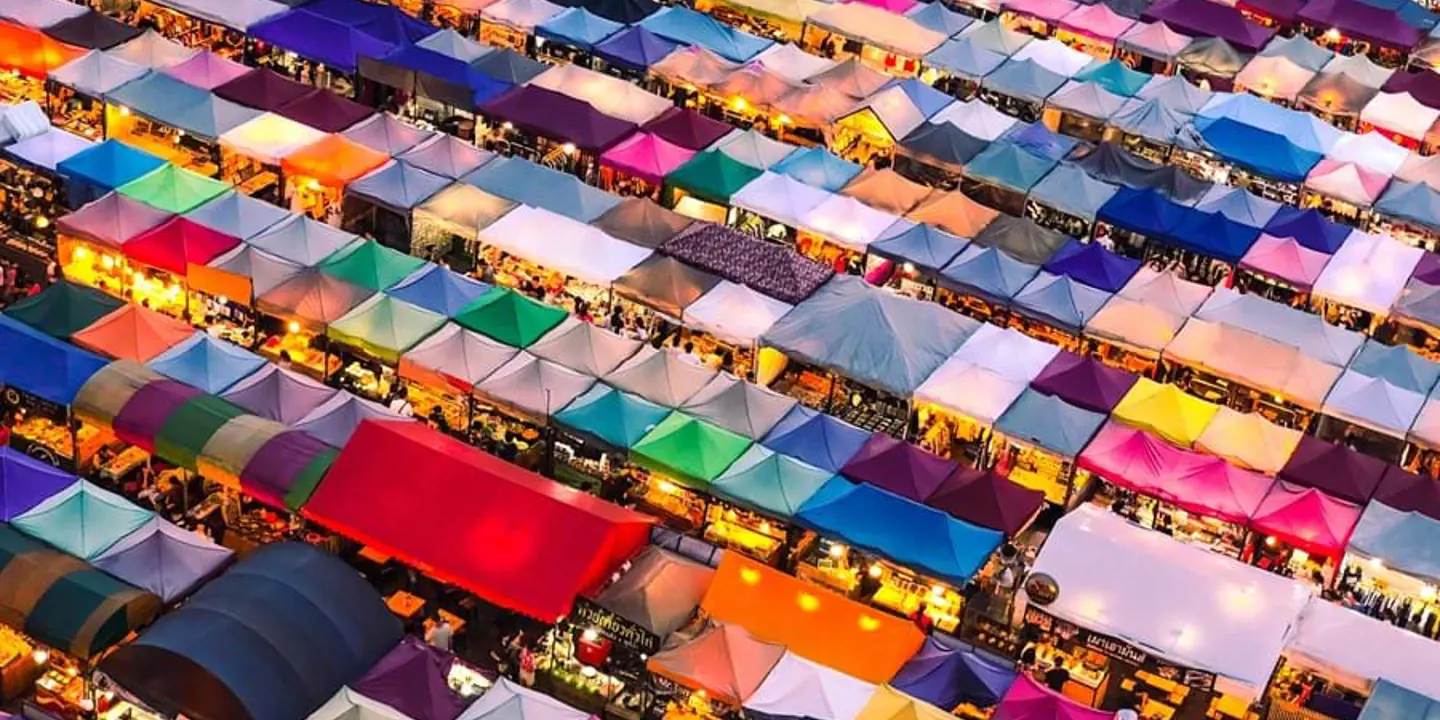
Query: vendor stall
[[908, 258], [373, 336], [90, 241], [1301, 532], [571, 36], [1151, 47], [173, 189], [638, 165], [30, 56], [935, 154], [886, 41], [660, 376], [1082, 109], [447, 226], [677, 461], [511, 23], [293, 317], [133, 333], [515, 403], [726, 323], [1135, 326], [763, 490], [1249, 441], [1019, 88], [960, 64], [981, 281], [173, 120], [596, 432], [251, 154], [553, 129], [1036, 442], [316, 175], [509, 317], [95, 171], [381, 205], [1166, 411], [31, 193], [322, 51], [1067, 201], [522, 181], [1055, 308], [206, 70], [1381, 567], [75, 92], [41, 376], [160, 260]]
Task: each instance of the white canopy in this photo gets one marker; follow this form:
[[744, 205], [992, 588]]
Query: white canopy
[[1257, 361], [1358, 650], [976, 118], [1426, 429], [970, 390], [1374, 403], [1368, 272], [779, 197], [879, 27], [1306, 331], [1359, 68], [734, 313], [506, 701], [1274, 76], [269, 138], [797, 687], [583, 346], [1007, 351], [847, 221], [152, 50], [538, 387], [454, 352], [896, 111], [1370, 150], [350, 705], [753, 148], [610, 95], [1401, 113], [790, 62], [559, 243], [40, 14], [1343, 181], [1186, 603], [1055, 56], [520, 14], [234, 14]]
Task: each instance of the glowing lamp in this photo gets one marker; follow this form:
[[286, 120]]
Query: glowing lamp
[[749, 576], [293, 327], [40, 656], [808, 602]]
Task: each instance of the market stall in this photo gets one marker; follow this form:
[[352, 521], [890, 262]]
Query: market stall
[[31, 193], [75, 92], [133, 333], [29, 58], [1067, 201], [1056, 308], [660, 376], [509, 317], [447, 226], [1134, 326], [513, 406], [292, 317], [511, 23], [981, 281], [278, 394], [322, 51], [1036, 441], [888, 41], [315, 176], [251, 154], [1164, 410], [173, 189], [440, 372], [960, 64], [522, 181], [373, 336], [1249, 441], [676, 462], [95, 171], [935, 154], [1002, 175], [908, 258], [90, 241], [815, 438], [638, 165], [41, 376], [173, 120], [206, 70], [1019, 88], [571, 36], [159, 262], [1403, 213], [1151, 47], [1301, 532], [726, 323]]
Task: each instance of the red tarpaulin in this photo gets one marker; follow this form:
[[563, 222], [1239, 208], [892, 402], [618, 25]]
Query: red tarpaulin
[[473, 520]]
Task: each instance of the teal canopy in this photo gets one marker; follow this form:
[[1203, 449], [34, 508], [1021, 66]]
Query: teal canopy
[[769, 482], [1008, 166], [83, 520], [617, 419], [1114, 76]]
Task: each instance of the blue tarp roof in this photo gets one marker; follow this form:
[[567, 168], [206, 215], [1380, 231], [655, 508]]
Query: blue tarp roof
[[1150, 119], [1024, 80], [989, 272], [451, 71], [1242, 206], [181, 105], [535, 185], [206, 363], [1049, 422], [635, 48], [925, 246], [770, 482], [399, 185], [688, 27], [1092, 264], [41, 365], [1398, 365], [1302, 129], [1072, 191], [1060, 300], [945, 674], [439, 290], [1009, 166], [237, 215], [320, 39], [578, 27], [1389, 701], [870, 335], [616, 418], [964, 57], [274, 637], [1312, 229], [941, 19], [815, 438], [1115, 77], [1404, 541], [382, 22], [926, 98], [1415, 202], [621, 11], [818, 168], [109, 165], [1213, 235], [1143, 211], [1041, 141], [1259, 150], [902, 530]]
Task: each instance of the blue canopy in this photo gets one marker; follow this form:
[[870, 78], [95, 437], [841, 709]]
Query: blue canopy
[[1092, 264], [1041, 141], [925, 97], [818, 168], [941, 19], [439, 290], [1049, 422], [1302, 129], [577, 27], [925, 246], [1403, 541], [320, 39], [1411, 13], [815, 438], [84, 520], [902, 530], [1398, 365], [772, 483], [945, 674], [1145, 211], [1072, 191], [615, 418], [237, 215], [635, 49], [398, 185], [1389, 701], [1313, 230], [108, 166], [1214, 235], [271, 639], [528, 183], [438, 76], [1416, 202], [382, 22], [965, 58], [182, 105], [206, 363], [1060, 300], [1261, 151], [870, 335], [989, 272], [688, 27], [1024, 80], [42, 365], [1008, 166], [1115, 77], [1246, 207]]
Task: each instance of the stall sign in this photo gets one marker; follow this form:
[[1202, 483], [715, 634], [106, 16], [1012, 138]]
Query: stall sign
[[29, 247], [1118, 649], [1042, 589], [624, 632]]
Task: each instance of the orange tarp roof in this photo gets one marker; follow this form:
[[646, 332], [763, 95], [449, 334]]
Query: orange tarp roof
[[133, 333], [333, 160], [31, 51], [815, 623]]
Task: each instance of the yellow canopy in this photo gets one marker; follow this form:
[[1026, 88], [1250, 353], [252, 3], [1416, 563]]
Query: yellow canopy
[[890, 704], [1165, 410], [1249, 440]]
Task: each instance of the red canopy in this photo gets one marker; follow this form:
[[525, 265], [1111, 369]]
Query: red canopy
[[1027, 700], [1195, 482], [473, 520], [1307, 518], [177, 244]]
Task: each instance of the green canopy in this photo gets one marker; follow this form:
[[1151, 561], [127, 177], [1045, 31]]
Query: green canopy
[[173, 189], [505, 315], [385, 327], [64, 309], [689, 451], [712, 176], [186, 431], [370, 265]]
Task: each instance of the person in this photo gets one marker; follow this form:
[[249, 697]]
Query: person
[[1057, 675], [441, 636], [285, 359], [487, 273], [400, 404], [513, 648]]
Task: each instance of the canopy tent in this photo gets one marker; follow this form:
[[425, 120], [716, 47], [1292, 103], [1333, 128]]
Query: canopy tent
[[48, 149], [617, 419], [1307, 518], [1373, 403], [883, 29], [1256, 362], [1349, 182], [884, 341], [660, 592], [1112, 75], [943, 145], [173, 189], [797, 687], [1149, 311], [524, 182], [578, 28], [413, 678], [206, 70], [1166, 411], [370, 265], [646, 156], [93, 30], [164, 559], [1308, 227], [446, 156], [923, 246], [555, 242], [1024, 79], [25, 482], [69, 605], [178, 244], [557, 116], [83, 520], [735, 313], [689, 451], [40, 14], [263, 89], [384, 327], [32, 53], [946, 674], [1249, 441], [547, 528], [635, 49], [1020, 238], [660, 376], [826, 628], [311, 298], [712, 176], [1070, 190], [1274, 76], [96, 73], [1240, 205], [1285, 259], [275, 393], [774, 484], [1368, 272], [1027, 699], [1103, 560], [206, 363], [1335, 469], [779, 197], [42, 365], [815, 438], [454, 358], [332, 160], [965, 57], [642, 222], [791, 62], [269, 138], [1267, 153], [63, 309], [1399, 113], [1306, 332], [610, 95], [238, 215], [1049, 422], [1196, 19], [335, 421], [1389, 701], [1149, 119], [1060, 300], [776, 271], [133, 333], [522, 15], [320, 39], [1397, 364], [725, 661], [385, 133], [1360, 650], [112, 220], [585, 348], [507, 699], [1397, 539], [181, 106], [988, 500], [301, 240], [438, 289], [988, 272], [741, 407], [534, 387], [241, 275], [970, 390], [912, 534], [1008, 166]]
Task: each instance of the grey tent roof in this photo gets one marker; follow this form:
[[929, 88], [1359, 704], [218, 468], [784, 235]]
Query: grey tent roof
[[660, 376], [96, 73], [1114, 164], [446, 156], [989, 272], [522, 181], [966, 57], [538, 387], [1337, 93], [387, 134], [643, 222], [1070, 190], [660, 591], [164, 559], [1060, 300], [992, 35], [1177, 93], [1415, 202], [1024, 80], [1150, 119], [585, 347], [942, 144], [238, 215], [870, 335], [1021, 238], [398, 185], [1300, 50], [1213, 56], [742, 408], [1049, 422], [1420, 302], [1086, 98]]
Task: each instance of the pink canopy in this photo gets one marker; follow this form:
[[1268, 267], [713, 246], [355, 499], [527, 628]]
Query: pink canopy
[[1097, 21], [899, 7], [206, 70], [1285, 259], [1307, 518], [1028, 700], [1195, 482], [646, 156], [1047, 10], [1347, 181]]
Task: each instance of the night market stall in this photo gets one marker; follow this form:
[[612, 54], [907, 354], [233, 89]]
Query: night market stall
[[528, 183], [32, 191], [642, 222], [595, 433], [981, 281], [373, 336], [173, 189], [1139, 321], [160, 260], [173, 120], [251, 154], [908, 257], [381, 204], [661, 376], [291, 319], [1036, 441], [29, 58], [95, 171], [448, 225], [514, 404], [206, 70], [1249, 441], [133, 333], [90, 241], [316, 175], [1067, 201], [75, 92], [935, 154], [509, 317], [1301, 532], [440, 372], [585, 348], [41, 376], [278, 394], [816, 438]]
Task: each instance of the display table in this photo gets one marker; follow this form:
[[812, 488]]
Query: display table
[[404, 604]]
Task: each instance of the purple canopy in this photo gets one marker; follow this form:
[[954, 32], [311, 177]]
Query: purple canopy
[[1208, 19], [1084, 382], [1359, 20], [25, 482], [412, 678], [946, 676], [1093, 265], [140, 420], [285, 470], [552, 115], [335, 420], [635, 48], [1333, 469], [767, 268], [1428, 271], [687, 128], [263, 90], [1309, 227], [280, 395], [325, 111], [1423, 85], [1408, 492], [320, 39], [895, 465], [164, 559], [983, 498]]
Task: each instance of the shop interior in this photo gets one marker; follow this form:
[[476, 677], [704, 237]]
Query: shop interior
[[1274, 554], [1271, 288], [500, 35], [306, 349], [872, 580], [48, 431], [627, 185], [861, 138], [445, 409], [1131, 359], [1364, 439], [969, 305], [1371, 587], [191, 152], [751, 534], [594, 670], [17, 87], [1336, 209], [588, 464], [1162, 517], [189, 31], [1031, 466], [30, 200], [230, 321], [679, 507], [695, 208], [1006, 200], [506, 139], [1059, 337], [362, 374], [824, 250], [74, 111], [549, 286], [1027, 111], [951, 435], [509, 433], [902, 278], [298, 68], [251, 176], [1232, 394], [815, 40]]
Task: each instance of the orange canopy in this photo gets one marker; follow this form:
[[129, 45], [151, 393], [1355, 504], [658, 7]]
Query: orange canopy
[[333, 160], [31, 51], [815, 623], [133, 333], [725, 661]]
